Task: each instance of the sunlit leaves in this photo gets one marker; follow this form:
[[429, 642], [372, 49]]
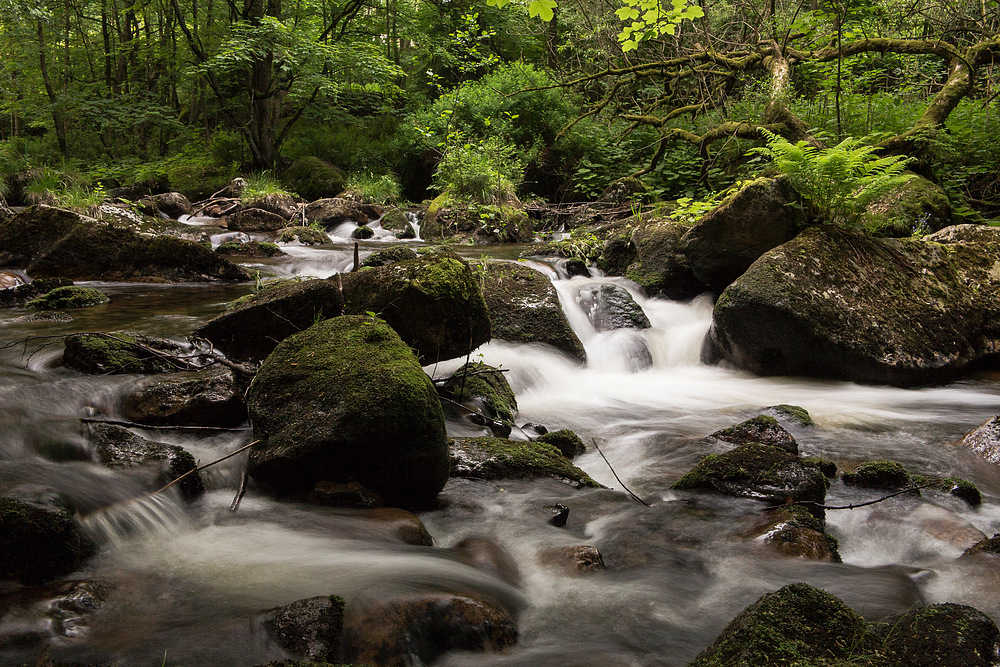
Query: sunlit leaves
[[647, 19], [543, 9]]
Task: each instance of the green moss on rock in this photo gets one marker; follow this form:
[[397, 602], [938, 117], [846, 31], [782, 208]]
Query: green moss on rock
[[761, 429], [485, 385], [304, 235], [879, 474], [566, 441], [391, 255], [498, 458], [249, 249], [794, 413], [956, 486], [122, 352], [62, 298], [313, 178]]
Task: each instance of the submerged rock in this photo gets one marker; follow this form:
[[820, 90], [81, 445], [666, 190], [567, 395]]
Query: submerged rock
[[52, 242], [69, 297], [433, 302], [117, 447], [761, 429], [38, 544], [62, 610], [524, 308], [119, 352], [580, 559], [497, 458], [344, 494], [258, 322], [309, 628], [610, 307], [485, 554], [837, 303], [205, 398], [346, 400]]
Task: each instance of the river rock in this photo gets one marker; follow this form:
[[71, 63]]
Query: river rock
[[313, 178], [171, 204], [119, 352], [990, 547], [762, 429], [580, 559], [985, 440], [610, 307], [757, 471], [249, 249], [344, 494], [278, 203], [567, 442], [394, 220], [193, 398], [62, 610], [748, 223], [303, 235], [434, 302], [648, 252], [346, 400], [255, 220], [916, 206], [524, 308], [254, 325], [484, 553], [52, 242], [938, 635], [333, 211], [391, 255], [796, 532], [955, 486], [38, 544], [793, 413], [11, 279], [881, 474], [117, 447], [21, 294], [418, 630], [838, 303], [485, 389], [72, 296], [363, 232], [498, 458], [309, 628]]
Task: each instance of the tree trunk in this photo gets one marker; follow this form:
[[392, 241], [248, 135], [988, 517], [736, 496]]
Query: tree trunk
[[57, 116]]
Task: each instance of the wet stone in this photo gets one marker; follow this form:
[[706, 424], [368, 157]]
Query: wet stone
[[761, 429], [310, 628], [580, 559]]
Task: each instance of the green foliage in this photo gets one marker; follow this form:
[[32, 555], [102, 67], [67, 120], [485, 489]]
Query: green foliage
[[383, 189], [67, 189], [486, 171], [837, 184], [261, 185], [647, 19]]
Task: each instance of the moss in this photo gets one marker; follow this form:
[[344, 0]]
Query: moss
[[956, 486], [938, 634], [249, 249], [304, 235], [124, 353], [794, 413], [20, 295], [497, 458], [826, 466], [879, 474], [394, 219], [313, 178], [391, 255], [488, 385], [62, 298], [762, 429], [362, 232], [990, 546], [567, 442]]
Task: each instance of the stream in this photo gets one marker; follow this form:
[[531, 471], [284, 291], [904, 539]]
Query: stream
[[190, 581]]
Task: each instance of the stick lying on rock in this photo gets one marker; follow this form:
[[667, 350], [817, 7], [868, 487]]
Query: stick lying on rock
[[813, 503]]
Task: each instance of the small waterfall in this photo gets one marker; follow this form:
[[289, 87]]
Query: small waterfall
[[317, 262], [414, 220], [159, 515]]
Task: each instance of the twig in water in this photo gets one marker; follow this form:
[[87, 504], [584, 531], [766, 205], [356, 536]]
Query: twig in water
[[118, 422], [627, 490], [239, 494], [813, 503]]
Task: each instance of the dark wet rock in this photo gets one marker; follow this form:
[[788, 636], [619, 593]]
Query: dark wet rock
[[524, 308], [71, 296], [985, 440], [304, 235], [990, 546], [249, 249], [497, 458], [406, 527], [796, 625], [203, 398], [117, 447], [278, 203], [484, 553], [119, 352], [580, 559], [346, 400], [574, 266], [826, 466], [313, 178], [838, 303], [309, 628], [956, 486], [344, 494], [5, 212], [560, 517], [434, 302], [258, 322], [796, 532], [937, 635], [880, 474], [363, 232], [394, 220], [419, 630], [21, 294], [38, 544], [793, 413], [485, 389], [51, 242], [748, 223], [171, 204], [255, 220], [610, 307], [650, 255], [330, 212], [757, 471], [761, 429], [917, 206], [566, 441], [399, 253], [63, 609]]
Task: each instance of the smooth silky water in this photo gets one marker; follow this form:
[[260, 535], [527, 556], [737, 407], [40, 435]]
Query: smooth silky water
[[191, 581]]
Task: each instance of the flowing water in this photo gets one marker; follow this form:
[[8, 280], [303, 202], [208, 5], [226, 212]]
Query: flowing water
[[190, 581]]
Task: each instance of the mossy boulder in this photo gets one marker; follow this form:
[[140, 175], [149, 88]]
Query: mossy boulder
[[649, 253], [332, 211], [504, 225], [309, 628], [610, 307], [72, 296], [394, 220], [252, 328], [937, 635], [989, 547], [450, 216], [119, 352], [498, 458], [841, 304], [916, 206], [248, 219], [955, 486], [249, 249], [434, 302], [303, 235], [793, 413], [797, 625], [23, 293], [880, 474], [117, 447], [484, 388], [37, 544], [363, 232], [761, 429], [566, 441], [794, 531], [170, 204], [205, 398], [51, 242], [748, 223], [313, 178], [524, 307], [391, 255], [347, 400], [757, 471]]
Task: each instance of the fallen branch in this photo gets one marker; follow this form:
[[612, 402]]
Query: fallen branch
[[627, 490], [242, 490], [813, 503], [163, 427]]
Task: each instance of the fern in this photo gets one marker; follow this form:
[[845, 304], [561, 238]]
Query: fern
[[836, 184]]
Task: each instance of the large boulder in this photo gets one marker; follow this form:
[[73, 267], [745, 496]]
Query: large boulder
[[610, 307], [118, 448], [938, 635], [313, 178], [256, 323], [255, 220], [916, 206], [524, 308], [171, 204], [347, 400], [20, 293], [51, 242], [748, 223], [37, 544], [70, 296], [841, 304], [120, 352], [334, 210], [650, 255], [483, 388], [192, 398], [434, 302]]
